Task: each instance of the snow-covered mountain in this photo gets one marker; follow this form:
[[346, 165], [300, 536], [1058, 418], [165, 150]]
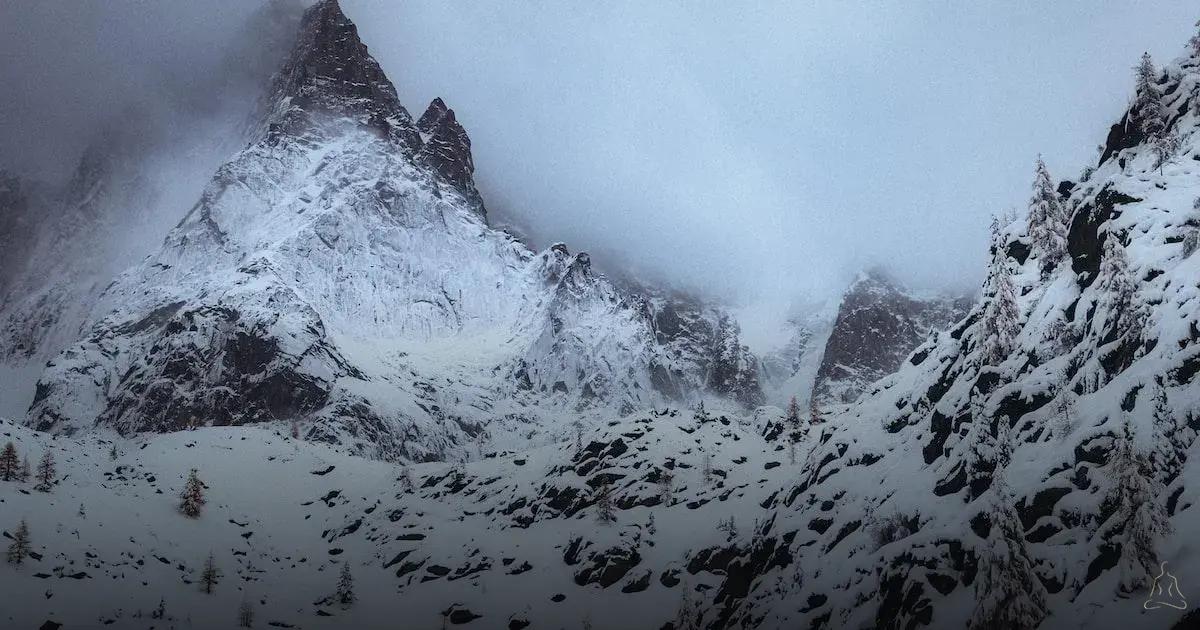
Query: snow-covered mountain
[[878, 324], [1027, 467], [340, 270]]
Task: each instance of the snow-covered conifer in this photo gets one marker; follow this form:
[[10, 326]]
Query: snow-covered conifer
[[1047, 219], [10, 462], [1001, 319], [1138, 519], [1148, 110], [19, 548], [246, 614], [604, 504], [192, 498], [46, 472], [1008, 595], [345, 586], [210, 575], [1125, 313]]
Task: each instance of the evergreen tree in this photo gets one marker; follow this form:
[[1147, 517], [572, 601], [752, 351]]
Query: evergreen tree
[[24, 472], [1194, 42], [604, 504], [192, 498], [246, 615], [1166, 459], [405, 480], [345, 586], [1125, 313], [1166, 147], [19, 549], [814, 413], [1064, 413], [112, 453], [1148, 111], [666, 483], [1008, 594], [210, 575], [1047, 219], [793, 418], [46, 473], [1001, 319], [700, 414], [9, 462], [1138, 519]]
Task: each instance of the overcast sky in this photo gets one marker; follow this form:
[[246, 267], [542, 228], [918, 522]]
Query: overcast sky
[[744, 148]]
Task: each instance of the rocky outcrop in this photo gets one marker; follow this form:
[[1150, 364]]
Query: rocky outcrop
[[877, 325], [447, 149]]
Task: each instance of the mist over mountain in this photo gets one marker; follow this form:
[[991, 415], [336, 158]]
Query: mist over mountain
[[284, 345]]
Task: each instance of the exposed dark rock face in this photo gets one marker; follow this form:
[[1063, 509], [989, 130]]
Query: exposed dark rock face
[[878, 324], [330, 73], [18, 227], [447, 149]]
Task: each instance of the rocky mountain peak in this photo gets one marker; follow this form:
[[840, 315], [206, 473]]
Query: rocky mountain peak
[[447, 150], [878, 324], [331, 72]]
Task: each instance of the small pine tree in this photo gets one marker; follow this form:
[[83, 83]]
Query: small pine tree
[[46, 473], [1125, 313], [666, 486], [246, 615], [1166, 147], [1148, 110], [210, 575], [405, 480], [578, 428], [1139, 520], [24, 473], [814, 413], [192, 498], [604, 504], [1047, 219], [701, 414], [1001, 318], [9, 462], [345, 586], [1008, 594], [688, 615], [1165, 458], [651, 527], [1194, 42], [793, 417], [1064, 415], [19, 549]]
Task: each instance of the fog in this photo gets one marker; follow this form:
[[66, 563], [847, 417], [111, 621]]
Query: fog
[[753, 153]]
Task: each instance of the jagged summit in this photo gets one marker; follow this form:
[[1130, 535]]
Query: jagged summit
[[447, 149], [330, 72]]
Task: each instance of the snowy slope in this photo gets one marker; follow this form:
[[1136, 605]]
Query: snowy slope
[[510, 538], [896, 516]]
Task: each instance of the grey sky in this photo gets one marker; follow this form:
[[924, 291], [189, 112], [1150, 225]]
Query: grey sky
[[743, 148]]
